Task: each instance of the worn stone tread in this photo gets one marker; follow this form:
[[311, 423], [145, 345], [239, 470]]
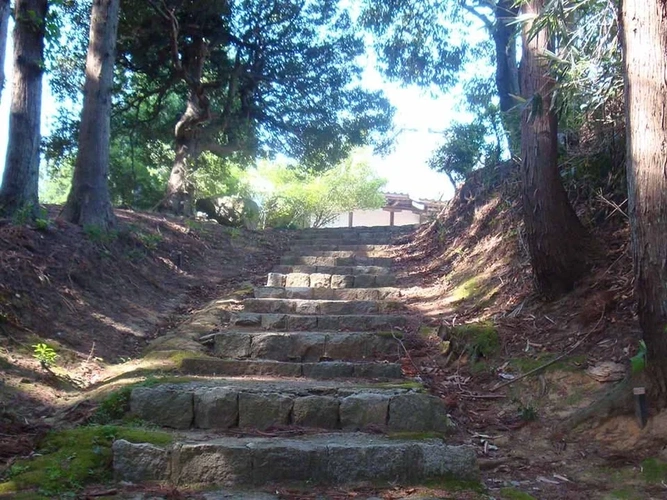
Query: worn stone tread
[[306, 346], [322, 459], [322, 307], [325, 322], [322, 370], [313, 260], [324, 280], [381, 293]]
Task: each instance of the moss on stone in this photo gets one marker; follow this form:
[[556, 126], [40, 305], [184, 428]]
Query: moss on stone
[[72, 458], [478, 339]]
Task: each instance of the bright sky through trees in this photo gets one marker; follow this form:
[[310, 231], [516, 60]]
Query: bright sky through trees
[[419, 116]]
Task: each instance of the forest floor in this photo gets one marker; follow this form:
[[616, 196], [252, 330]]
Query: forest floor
[[99, 300]]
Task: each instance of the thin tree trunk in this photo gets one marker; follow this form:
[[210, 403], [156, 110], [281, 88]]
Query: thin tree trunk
[[4, 25], [557, 242], [507, 70], [644, 29], [88, 202], [19, 183]]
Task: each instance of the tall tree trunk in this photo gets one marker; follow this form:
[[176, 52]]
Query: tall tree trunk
[[19, 183], [88, 202], [557, 242], [507, 69], [4, 24], [644, 29], [180, 189]]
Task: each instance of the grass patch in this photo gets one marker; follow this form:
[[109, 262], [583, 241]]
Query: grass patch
[[624, 494], [514, 494], [72, 458], [466, 290], [570, 363], [654, 470]]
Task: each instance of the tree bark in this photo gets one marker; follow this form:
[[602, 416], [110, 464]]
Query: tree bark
[[644, 30], [557, 242], [4, 25], [88, 202], [19, 183]]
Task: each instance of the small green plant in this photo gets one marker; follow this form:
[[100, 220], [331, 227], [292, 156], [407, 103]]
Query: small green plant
[[98, 234], [24, 215], [527, 413], [42, 224], [113, 408], [150, 240], [45, 354], [638, 361]]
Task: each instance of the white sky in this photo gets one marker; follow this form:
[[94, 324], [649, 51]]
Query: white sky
[[419, 113]]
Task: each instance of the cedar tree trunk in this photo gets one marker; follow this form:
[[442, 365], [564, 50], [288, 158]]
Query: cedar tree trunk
[[19, 183], [557, 242], [644, 28], [4, 23], [88, 202], [507, 70]]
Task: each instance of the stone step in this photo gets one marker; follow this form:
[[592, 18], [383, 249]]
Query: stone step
[[322, 307], [307, 346], [322, 280], [267, 368], [307, 247], [257, 405], [328, 322], [340, 270], [339, 254], [329, 458], [308, 260], [385, 293], [378, 239]]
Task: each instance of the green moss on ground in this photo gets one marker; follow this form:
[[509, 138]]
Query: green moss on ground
[[514, 494], [70, 459], [654, 470], [478, 339]]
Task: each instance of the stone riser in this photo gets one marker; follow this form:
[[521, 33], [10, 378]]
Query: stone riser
[[316, 371], [337, 270], [349, 240], [339, 254], [229, 407], [386, 293], [306, 346], [307, 260], [295, 322], [322, 459], [320, 280], [304, 248], [321, 307]]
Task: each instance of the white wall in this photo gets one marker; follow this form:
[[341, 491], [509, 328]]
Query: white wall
[[377, 217]]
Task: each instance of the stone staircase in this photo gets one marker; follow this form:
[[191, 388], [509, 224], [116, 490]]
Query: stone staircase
[[304, 386]]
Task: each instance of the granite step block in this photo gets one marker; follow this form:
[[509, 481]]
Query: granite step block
[[303, 322], [385, 293], [306, 346], [228, 405], [321, 307], [310, 260], [331, 458], [321, 280], [267, 368], [341, 270]]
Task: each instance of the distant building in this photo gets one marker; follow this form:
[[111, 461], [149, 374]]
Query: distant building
[[399, 210]]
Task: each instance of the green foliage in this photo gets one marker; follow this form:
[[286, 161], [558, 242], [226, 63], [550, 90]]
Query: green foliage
[[99, 235], [528, 413], [45, 354], [514, 494], [638, 361], [70, 459], [292, 197], [114, 407], [654, 471]]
